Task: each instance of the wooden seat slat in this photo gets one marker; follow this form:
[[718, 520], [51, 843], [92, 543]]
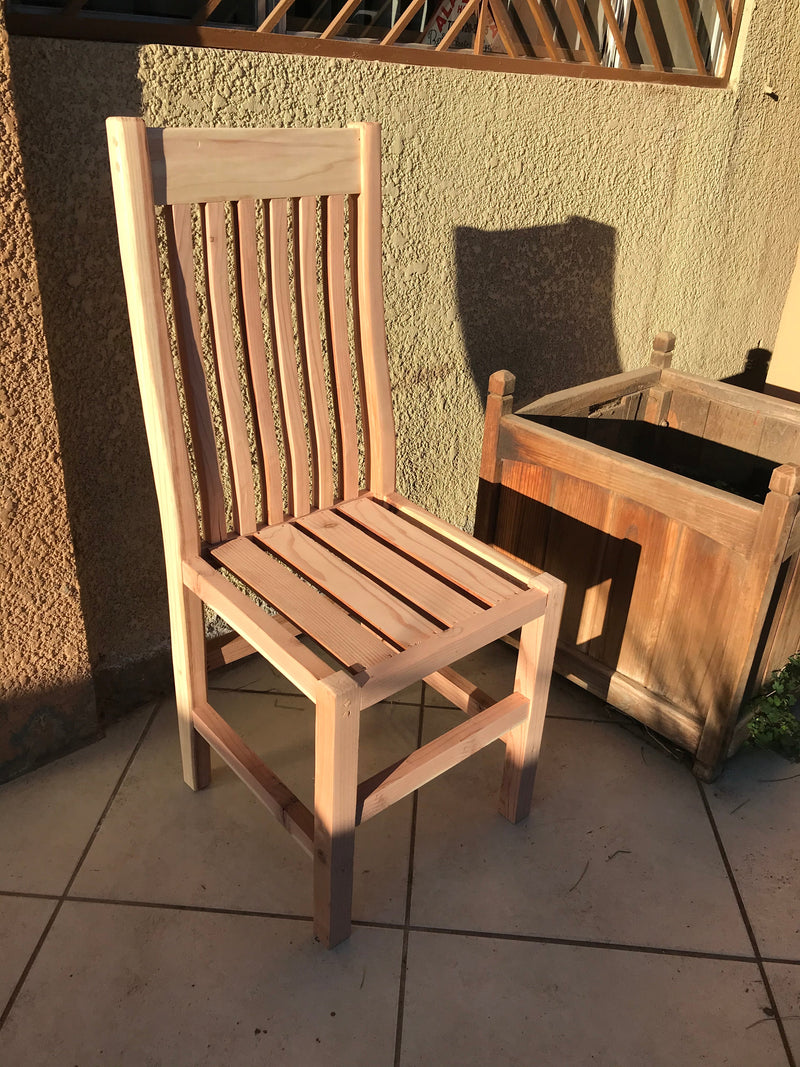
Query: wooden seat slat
[[313, 612], [378, 559], [449, 562], [380, 608]]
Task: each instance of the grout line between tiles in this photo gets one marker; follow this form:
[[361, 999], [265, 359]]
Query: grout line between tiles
[[28, 896], [748, 926], [60, 900], [401, 992]]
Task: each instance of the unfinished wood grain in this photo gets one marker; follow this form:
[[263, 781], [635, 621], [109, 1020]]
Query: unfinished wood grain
[[256, 351], [376, 558], [482, 27], [375, 605], [693, 384], [230, 390], [460, 691], [523, 742], [267, 634], [441, 557], [783, 637], [656, 406], [311, 346], [339, 345], [263, 783], [681, 725], [437, 756], [780, 440], [408, 666], [315, 614], [575, 552], [132, 185], [180, 253], [728, 520], [736, 427], [523, 512], [510, 570], [202, 166], [499, 402], [570, 401], [292, 417], [376, 396], [335, 785]]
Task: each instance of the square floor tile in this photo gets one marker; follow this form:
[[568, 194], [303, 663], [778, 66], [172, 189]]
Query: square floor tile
[[476, 1001], [785, 982], [618, 847], [47, 817], [492, 669], [22, 920], [756, 805], [153, 986], [161, 842]]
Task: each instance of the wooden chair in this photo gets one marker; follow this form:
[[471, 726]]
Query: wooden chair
[[393, 594]]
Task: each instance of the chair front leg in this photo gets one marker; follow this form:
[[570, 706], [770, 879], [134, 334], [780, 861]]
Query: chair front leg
[[335, 786], [191, 685], [534, 669]]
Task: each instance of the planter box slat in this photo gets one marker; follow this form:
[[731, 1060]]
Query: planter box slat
[[727, 519]]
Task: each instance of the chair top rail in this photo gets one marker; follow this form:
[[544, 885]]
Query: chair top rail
[[204, 166]]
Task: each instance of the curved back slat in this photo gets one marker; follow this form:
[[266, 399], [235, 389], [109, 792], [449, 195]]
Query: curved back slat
[[338, 343], [215, 243], [305, 233], [180, 250], [250, 314]]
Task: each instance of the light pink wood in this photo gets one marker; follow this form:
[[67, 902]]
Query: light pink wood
[[250, 298], [219, 298]]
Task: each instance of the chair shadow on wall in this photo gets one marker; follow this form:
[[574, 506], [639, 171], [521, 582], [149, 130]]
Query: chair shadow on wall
[[538, 302]]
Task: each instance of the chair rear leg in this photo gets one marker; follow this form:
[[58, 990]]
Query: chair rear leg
[[335, 785], [537, 648], [191, 687]]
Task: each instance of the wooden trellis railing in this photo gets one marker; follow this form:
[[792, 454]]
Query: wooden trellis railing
[[688, 42]]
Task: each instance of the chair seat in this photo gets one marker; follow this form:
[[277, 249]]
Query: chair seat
[[386, 597]]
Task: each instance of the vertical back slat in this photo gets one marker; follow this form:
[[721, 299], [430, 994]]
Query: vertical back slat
[[308, 313], [180, 251], [250, 296], [338, 345], [377, 394], [291, 408], [219, 303]]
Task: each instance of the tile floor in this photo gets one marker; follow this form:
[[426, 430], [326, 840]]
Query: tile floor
[[636, 918]]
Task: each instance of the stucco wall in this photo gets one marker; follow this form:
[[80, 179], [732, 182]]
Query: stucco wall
[[46, 696], [549, 226]]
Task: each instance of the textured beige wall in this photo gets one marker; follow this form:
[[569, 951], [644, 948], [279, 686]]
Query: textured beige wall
[[784, 370], [550, 226], [46, 696]]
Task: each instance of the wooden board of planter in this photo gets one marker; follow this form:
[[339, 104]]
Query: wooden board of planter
[[669, 505]]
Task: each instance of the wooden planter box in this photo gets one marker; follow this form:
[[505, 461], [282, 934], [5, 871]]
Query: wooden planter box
[[668, 504]]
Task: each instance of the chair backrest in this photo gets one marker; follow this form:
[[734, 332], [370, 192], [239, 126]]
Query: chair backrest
[[272, 282]]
